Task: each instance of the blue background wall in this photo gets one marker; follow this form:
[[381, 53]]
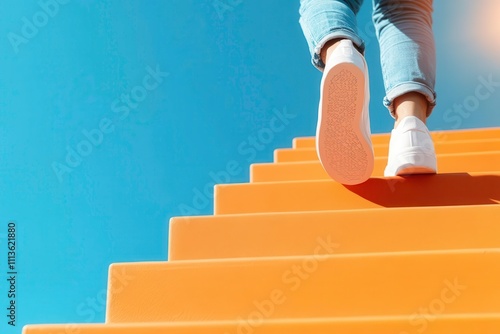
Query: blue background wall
[[232, 66]]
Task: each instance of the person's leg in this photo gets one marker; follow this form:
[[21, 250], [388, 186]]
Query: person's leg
[[327, 21], [343, 138], [408, 56], [408, 59]]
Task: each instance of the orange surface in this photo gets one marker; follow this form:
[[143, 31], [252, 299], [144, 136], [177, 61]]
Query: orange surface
[[321, 285], [448, 135], [457, 147], [440, 324], [312, 170], [417, 190], [359, 231], [299, 253]]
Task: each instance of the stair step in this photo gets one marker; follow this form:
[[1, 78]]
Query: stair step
[[313, 170], [447, 135], [296, 252], [416, 190], [315, 286], [470, 146], [358, 231], [428, 322]]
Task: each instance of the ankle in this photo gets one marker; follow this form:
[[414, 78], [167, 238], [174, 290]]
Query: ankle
[[410, 104]]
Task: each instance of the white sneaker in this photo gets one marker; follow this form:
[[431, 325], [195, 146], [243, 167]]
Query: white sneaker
[[411, 150], [343, 136]]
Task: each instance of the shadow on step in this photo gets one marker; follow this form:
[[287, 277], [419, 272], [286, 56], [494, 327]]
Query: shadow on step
[[431, 190]]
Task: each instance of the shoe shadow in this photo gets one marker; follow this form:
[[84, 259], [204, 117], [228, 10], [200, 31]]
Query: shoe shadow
[[431, 190]]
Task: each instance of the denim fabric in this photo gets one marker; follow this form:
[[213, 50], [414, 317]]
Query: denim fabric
[[404, 32]]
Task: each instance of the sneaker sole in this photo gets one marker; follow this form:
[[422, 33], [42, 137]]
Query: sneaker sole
[[343, 150], [415, 171]]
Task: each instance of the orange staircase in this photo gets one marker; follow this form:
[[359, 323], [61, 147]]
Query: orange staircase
[[295, 252]]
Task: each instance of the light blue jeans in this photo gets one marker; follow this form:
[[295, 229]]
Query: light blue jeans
[[404, 32]]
